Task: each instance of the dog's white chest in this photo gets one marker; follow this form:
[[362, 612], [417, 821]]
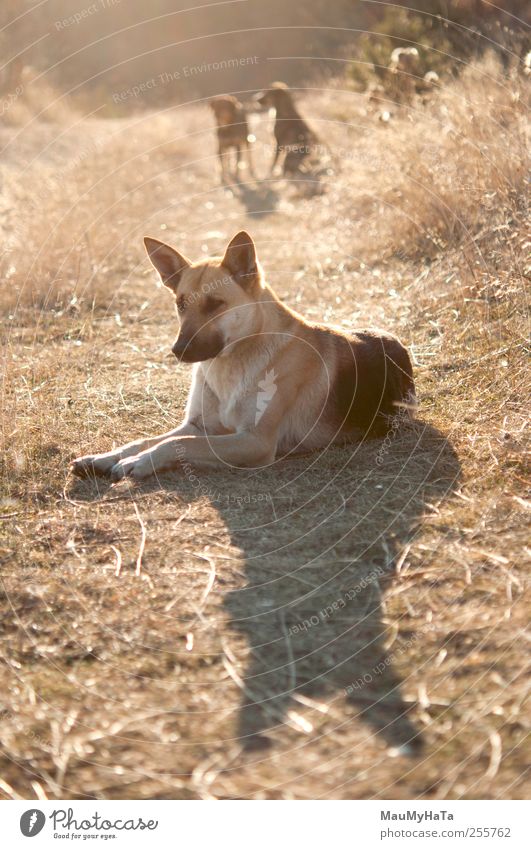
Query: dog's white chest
[[237, 397], [232, 410]]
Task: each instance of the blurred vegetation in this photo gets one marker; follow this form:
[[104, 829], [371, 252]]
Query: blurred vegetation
[[96, 49], [447, 33]]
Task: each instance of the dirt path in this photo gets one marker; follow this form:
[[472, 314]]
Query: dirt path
[[307, 631]]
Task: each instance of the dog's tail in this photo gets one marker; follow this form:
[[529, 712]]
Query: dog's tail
[[407, 402]]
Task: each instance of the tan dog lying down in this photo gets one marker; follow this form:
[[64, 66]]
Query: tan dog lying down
[[265, 382]]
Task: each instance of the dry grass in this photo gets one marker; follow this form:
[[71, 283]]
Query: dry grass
[[346, 625], [34, 98]]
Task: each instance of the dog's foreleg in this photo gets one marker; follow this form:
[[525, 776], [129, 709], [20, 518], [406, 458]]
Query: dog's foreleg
[[202, 416], [100, 465], [235, 450], [250, 162], [238, 162], [222, 165], [275, 160]]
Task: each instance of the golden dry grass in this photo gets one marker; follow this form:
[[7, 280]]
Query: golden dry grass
[[349, 625]]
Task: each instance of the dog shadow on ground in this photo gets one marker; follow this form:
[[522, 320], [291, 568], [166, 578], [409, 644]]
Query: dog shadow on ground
[[258, 198], [319, 558], [321, 536], [312, 181]]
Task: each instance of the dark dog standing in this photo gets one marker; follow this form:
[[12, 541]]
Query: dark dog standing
[[294, 138]]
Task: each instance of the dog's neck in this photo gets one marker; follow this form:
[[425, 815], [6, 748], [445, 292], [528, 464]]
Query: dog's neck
[[276, 316], [286, 109], [275, 328]]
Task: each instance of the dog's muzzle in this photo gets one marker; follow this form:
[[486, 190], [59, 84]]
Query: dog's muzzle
[[196, 350], [260, 101]]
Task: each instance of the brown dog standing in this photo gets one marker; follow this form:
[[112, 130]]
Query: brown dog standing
[[233, 133], [266, 382]]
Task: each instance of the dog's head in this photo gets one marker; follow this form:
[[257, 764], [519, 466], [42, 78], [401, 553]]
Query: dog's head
[[216, 299], [225, 108], [275, 97]]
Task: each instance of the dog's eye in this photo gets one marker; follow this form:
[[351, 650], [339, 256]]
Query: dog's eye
[[181, 304], [212, 303]]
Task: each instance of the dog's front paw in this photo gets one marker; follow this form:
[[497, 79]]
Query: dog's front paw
[[137, 468], [92, 465]]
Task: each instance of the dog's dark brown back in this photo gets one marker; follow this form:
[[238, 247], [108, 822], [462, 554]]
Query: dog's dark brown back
[[373, 383]]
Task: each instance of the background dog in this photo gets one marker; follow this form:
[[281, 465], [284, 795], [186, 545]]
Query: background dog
[[294, 138], [233, 133]]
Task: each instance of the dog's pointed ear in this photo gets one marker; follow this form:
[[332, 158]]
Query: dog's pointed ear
[[169, 263], [240, 259]]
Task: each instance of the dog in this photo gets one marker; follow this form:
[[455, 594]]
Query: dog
[[233, 133], [403, 72], [266, 383], [294, 138]]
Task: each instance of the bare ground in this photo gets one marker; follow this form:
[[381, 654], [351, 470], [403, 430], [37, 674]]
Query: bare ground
[[344, 625]]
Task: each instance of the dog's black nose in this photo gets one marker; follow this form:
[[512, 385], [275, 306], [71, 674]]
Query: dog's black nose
[[180, 347]]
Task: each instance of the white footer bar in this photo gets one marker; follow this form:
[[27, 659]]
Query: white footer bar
[[267, 824]]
